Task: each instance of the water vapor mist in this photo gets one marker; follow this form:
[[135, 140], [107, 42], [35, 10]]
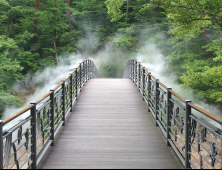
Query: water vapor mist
[[152, 58], [110, 62]]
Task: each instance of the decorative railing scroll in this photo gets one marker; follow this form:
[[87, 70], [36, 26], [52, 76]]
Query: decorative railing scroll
[[196, 141], [24, 142]]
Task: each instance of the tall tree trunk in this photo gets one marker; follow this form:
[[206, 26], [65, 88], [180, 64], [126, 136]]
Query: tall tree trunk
[[127, 10], [13, 27], [35, 23], [70, 26], [7, 32], [54, 43], [171, 35], [205, 31]]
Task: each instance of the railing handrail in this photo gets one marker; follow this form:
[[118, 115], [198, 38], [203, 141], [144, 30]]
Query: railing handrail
[[20, 112], [46, 116], [208, 114], [177, 121]]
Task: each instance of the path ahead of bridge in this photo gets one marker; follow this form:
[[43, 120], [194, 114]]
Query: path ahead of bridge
[[110, 128]]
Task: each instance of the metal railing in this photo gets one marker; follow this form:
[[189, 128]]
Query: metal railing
[[25, 141], [196, 141]]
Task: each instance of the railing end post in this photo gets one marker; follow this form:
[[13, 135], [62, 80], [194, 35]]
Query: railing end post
[[157, 100], [143, 83], [168, 123], [52, 105], [71, 90], [63, 102], [187, 134], [33, 132]]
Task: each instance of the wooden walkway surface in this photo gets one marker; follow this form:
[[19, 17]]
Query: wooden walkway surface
[[110, 128]]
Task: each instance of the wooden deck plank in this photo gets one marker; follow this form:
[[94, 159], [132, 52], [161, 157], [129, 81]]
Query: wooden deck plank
[[110, 127]]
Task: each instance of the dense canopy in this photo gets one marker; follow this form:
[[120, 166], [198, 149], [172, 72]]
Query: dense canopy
[[188, 33]]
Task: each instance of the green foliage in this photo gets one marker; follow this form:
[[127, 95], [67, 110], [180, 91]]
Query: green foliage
[[114, 10], [8, 100], [10, 69], [196, 37], [187, 32], [207, 83]]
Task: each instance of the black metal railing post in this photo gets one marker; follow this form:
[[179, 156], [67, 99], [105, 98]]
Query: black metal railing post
[[90, 69], [64, 103], [157, 101], [168, 123], [149, 91], [52, 106], [80, 75], [86, 70], [131, 69], [187, 135], [33, 134], [76, 83], [143, 82], [1, 144], [134, 66], [71, 90], [83, 70], [136, 73]]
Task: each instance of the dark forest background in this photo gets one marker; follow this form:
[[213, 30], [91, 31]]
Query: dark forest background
[[34, 33]]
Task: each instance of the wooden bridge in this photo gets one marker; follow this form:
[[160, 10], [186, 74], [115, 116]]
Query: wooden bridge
[[134, 122], [110, 127]]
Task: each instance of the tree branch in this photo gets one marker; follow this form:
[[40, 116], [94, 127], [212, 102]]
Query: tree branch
[[195, 19], [181, 6], [198, 19]]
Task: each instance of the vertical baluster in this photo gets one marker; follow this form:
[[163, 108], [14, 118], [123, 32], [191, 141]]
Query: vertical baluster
[[138, 83], [149, 91], [52, 105], [134, 69], [131, 69], [90, 72], [83, 70], [187, 134], [71, 91], [136, 78], [63, 103], [1, 144], [33, 133], [80, 74], [76, 83], [168, 124], [129, 66], [157, 100], [86, 70], [143, 83], [89, 69]]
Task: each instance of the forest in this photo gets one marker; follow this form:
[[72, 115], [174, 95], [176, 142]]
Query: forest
[[38, 34]]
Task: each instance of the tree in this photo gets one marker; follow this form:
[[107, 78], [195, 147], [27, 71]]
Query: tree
[[196, 55]]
